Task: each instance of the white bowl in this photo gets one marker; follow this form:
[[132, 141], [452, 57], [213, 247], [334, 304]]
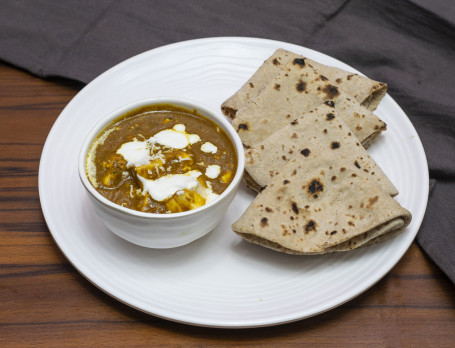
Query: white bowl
[[162, 230]]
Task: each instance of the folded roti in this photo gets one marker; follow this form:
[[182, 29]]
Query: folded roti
[[295, 90], [366, 91], [301, 138], [320, 209]]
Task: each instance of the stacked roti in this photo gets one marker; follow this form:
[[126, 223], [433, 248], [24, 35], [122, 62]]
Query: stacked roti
[[366, 91], [321, 126], [295, 90], [306, 126], [321, 208]]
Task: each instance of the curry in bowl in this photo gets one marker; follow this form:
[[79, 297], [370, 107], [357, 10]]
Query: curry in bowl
[[161, 158]]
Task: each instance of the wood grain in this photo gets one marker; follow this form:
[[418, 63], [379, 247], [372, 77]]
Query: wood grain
[[45, 302]]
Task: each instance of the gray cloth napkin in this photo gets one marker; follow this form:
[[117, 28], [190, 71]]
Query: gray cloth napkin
[[410, 44]]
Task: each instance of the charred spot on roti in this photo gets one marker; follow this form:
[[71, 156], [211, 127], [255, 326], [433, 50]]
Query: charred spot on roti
[[294, 207], [268, 210], [333, 232], [349, 77], [299, 61], [372, 201], [330, 103], [243, 126], [310, 226], [305, 152], [262, 188], [325, 131], [251, 84], [300, 86], [315, 187], [331, 91], [333, 178], [285, 182], [351, 223], [294, 122], [323, 78], [357, 164], [277, 86], [330, 117], [275, 61], [264, 222], [342, 169], [334, 145]]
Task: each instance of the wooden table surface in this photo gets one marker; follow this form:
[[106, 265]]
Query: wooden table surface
[[44, 301]]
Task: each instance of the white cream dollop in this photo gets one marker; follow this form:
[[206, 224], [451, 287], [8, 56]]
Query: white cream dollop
[[136, 153], [177, 137], [207, 193], [213, 171], [165, 187], [208, 147]]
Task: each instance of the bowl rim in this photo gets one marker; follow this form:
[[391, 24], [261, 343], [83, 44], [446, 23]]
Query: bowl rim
[[201, 108]]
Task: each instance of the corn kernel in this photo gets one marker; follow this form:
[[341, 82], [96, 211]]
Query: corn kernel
[[226, 176], [107, 179], [198, 200], [173, 206], [202, 181]]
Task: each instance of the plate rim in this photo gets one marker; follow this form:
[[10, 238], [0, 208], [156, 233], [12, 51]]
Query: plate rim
[[47, 215]]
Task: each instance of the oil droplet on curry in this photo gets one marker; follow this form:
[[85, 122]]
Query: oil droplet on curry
[[161, 159]]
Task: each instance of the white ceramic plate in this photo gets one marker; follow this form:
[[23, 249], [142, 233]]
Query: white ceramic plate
[[219, 280]]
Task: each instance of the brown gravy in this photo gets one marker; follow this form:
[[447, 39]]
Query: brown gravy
[[141, 186]]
